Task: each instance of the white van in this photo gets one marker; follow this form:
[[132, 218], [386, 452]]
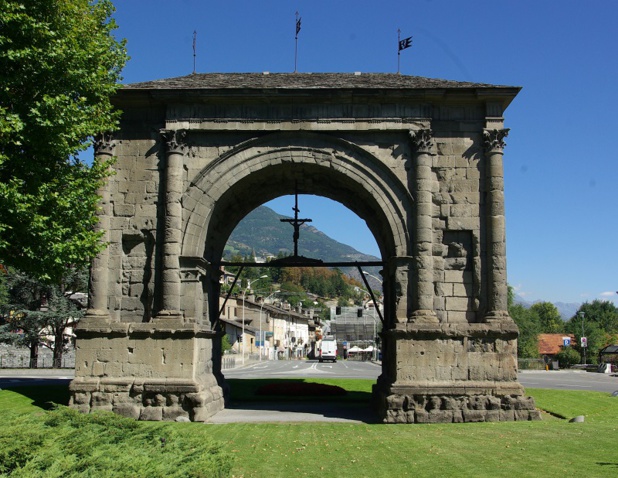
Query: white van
[[328, 349]]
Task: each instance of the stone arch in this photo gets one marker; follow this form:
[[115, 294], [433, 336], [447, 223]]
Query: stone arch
[[197, 153], [271, 166]]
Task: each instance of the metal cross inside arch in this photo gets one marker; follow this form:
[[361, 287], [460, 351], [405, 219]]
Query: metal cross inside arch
[[296, 222]]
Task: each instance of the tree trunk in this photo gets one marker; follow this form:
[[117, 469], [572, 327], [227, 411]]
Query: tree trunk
[[34, 356], [58, 348]]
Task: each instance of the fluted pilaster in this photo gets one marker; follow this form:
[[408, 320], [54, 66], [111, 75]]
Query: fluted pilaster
[[175, 150], [98, 299], [423, 288], [496, 229]]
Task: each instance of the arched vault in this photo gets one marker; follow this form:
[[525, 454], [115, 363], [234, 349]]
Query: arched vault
[[282, 163]]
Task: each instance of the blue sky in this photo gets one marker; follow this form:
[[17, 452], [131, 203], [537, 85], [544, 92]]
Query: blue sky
[[561, 167]]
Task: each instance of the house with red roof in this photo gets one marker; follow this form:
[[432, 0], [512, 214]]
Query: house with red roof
[[551, 344]]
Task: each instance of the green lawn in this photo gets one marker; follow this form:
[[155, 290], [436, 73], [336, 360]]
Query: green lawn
[[549, 448]]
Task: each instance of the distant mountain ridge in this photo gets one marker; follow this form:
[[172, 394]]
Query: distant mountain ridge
[[566, 309]]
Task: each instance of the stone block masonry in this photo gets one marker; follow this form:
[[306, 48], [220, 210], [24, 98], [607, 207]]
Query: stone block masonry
[[419, 159]]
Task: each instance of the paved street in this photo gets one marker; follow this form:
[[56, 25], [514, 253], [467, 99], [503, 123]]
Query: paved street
[[306, 369], [14, 377], [561, 380], [569, 380]]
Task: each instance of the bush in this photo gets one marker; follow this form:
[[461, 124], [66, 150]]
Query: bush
[[66, 443], [567, 357]]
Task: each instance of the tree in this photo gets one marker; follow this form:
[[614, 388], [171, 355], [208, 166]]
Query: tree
[[529, 327], [225, 344], [549, 317], [59, 65], [36, 311]]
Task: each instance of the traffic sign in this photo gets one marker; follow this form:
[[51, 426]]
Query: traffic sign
[[566, 341], [584, 342]]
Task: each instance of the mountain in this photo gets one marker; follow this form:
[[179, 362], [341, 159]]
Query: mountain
[[262, 232], [567, 310]]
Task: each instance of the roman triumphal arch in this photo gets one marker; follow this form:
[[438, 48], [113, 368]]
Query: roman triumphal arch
[[420, 160]]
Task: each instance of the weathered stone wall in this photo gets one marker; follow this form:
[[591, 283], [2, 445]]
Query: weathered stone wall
[[19, 357]]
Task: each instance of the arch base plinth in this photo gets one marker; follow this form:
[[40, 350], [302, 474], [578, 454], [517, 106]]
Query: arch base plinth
[[146, 371], [450, 373]]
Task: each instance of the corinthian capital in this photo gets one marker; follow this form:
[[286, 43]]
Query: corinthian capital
[[104, 144], [422, 140], [174, 140], [493, 140]]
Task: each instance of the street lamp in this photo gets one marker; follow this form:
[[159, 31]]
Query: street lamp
[[244, 293], [371, 275]]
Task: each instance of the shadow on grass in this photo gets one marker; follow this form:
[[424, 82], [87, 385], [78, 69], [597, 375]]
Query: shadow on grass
[[43, 396], [245, 390], [245, 404]]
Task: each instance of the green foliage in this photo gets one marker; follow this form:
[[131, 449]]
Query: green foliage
[[59, 64], [567, 357], [600, 325], [66, 443], [529, 329], [225, 344], [4, 292], [295, 283], [549, 317]]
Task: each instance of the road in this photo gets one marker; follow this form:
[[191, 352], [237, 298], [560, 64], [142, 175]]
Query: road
[[306, 369], [560, 380], [569, 380], [22, 377]]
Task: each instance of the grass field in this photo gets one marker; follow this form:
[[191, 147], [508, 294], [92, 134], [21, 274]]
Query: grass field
[[549, 448]]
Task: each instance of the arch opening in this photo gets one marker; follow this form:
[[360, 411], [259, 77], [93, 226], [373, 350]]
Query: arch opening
[[290, 310]]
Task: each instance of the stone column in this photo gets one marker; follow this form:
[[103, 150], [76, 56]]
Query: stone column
[[423, 289], [98, 289], [495, 226], [175, 146]]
